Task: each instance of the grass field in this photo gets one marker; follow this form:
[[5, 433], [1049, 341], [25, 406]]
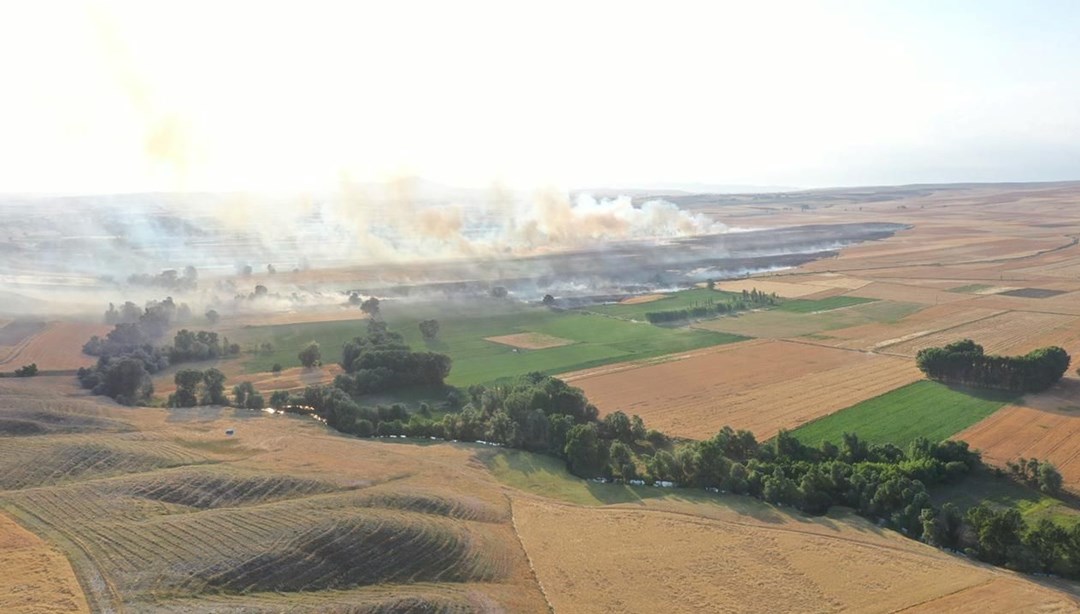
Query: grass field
[[780, 324], [971, 288], [1002, 493], [675, 300], [922, 409], [825, 304], [547, 476], [597, 340]]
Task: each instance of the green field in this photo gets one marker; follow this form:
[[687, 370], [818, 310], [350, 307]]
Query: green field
[[684, 299], [597, 339], [825, 304], [548, 477], [971, 288], [982, 487], [922, 409], [779, 324]]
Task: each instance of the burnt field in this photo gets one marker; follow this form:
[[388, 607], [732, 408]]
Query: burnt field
[[634, 266]]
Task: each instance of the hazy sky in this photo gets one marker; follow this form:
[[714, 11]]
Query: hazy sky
[[105, 96]]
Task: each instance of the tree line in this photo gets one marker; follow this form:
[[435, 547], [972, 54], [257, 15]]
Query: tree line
[[749, 299], [964, 362]]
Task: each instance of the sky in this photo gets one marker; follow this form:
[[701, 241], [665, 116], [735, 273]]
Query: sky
[[268, 96]]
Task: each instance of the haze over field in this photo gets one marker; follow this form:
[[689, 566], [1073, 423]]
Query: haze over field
[[134, 97]]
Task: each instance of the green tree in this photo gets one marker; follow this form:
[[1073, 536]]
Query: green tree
[[311, 355], [187, 388], [621, 461], [212, 317], [1050, 480], [214, 391], [584, 452], [29, 370], [429, 329]]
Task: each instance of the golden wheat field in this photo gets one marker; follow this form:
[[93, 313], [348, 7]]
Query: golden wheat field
[[701, 556], [697, 396]]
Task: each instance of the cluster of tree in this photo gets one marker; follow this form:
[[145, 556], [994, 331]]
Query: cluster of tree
[[199, 345], [311, 355], [194, 387], [1002, 537], [170, 279], [132, 331], [245, 396], [29, 370], [380, 360], [1042, 475], [749, 299], [964, 362], [127, 356], [123, 377]]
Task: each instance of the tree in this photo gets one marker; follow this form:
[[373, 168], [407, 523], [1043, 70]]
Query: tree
[[187, 388], [311, 355], [279, 398], [214, 393], [584, 454], [548, 300], [276, 368], [370, 306], [429, 329], [29, 370], [245, 396], [212, 317], [499, 292], [270, 269], [710, 284], [1049, 479]]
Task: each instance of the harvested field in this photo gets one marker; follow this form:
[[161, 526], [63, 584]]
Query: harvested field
[[1005, 594], [783, 289], [530, 341], [287, 507], [695, 397], [921, 323], [295, 378], [908, 293], [14, 333], [1000, 334], [695, 557], [777, 324], [37, 578], [1022, 430], [644, 298], [57, 347]]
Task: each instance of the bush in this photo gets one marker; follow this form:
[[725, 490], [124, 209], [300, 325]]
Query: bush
[[29, 370]]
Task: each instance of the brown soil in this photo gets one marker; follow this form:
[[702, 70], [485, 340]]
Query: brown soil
[[530, 341]]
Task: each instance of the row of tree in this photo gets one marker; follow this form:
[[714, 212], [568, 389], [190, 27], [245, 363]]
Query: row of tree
[[964, 362], [749, 299]]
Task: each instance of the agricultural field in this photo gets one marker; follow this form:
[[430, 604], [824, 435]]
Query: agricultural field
[[684, 299], [783, 289], [37, 577], [465, 336], [763, 561], [697, 395], [53, 346], [1024, 430], [879, 336], [178, 516], [922, 409], [1000, 334], [824, 304], [781, 324]]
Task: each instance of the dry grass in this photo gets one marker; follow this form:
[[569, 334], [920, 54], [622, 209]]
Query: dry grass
[[697, 396], [695, 557], [931, 320], [1000, 334], [37, 577], [57, 347], [644, 298], [530, 341], [283, 506]]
